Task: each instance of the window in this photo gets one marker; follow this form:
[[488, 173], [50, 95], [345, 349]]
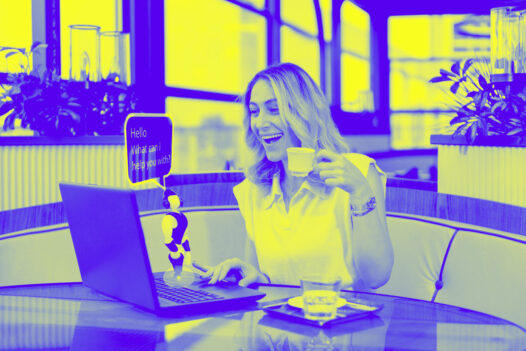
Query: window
[[301, 50], [419, 46], [299, 42], [300, 14], [100, 13], [208, 135], [15, 31], [214, 48], [217, 47], [326, 15], [259, 4], [356, 94]]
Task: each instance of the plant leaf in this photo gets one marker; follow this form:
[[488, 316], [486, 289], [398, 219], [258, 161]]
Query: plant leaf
[[9, 54], [467, 64], [515, 131], [483, 100], [494, 119], [455, 68], [6, 107], [500, 106], [454, 87], [482, 81], [459, 119], [472, 133], [37, 45], [439, 79], [444, 72]]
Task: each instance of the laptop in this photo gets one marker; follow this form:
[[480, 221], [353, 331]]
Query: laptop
[[113, 259]]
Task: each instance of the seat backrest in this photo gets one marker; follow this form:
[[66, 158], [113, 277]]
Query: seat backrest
[[419, 247], [38, 256], [484, 272], [46, 255], [215, 234]]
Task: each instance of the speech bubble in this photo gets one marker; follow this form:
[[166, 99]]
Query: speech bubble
[[148, 142]]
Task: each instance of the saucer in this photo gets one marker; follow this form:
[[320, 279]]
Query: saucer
[[298, 302]]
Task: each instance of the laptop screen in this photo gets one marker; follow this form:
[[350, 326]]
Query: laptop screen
[[109, 242]]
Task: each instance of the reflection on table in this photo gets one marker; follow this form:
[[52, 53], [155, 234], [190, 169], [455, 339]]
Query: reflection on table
[[71, 316]]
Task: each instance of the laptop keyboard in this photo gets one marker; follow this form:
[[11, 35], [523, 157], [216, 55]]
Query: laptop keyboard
[[181, 294]]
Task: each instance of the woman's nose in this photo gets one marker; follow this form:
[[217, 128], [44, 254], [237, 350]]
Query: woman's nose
[[263, 120]]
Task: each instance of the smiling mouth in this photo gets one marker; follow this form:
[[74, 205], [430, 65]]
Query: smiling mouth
[[269, 139]]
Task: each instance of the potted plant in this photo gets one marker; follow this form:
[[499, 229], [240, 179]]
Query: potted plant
[[52, 106], [484, 108], [484, 156]]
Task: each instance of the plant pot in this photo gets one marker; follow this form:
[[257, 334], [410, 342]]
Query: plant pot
[[491, 168]]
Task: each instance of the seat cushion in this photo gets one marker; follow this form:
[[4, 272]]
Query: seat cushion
[[419, 247], [484, 272]]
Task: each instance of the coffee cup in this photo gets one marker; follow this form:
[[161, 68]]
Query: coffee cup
[[300, 160]]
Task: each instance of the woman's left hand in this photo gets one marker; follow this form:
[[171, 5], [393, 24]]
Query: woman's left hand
[[336, 170]]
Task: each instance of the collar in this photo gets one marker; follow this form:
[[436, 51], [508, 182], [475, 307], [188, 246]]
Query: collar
[[316, 188]]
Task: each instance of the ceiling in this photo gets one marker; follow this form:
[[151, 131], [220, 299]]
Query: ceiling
[[412, 7]]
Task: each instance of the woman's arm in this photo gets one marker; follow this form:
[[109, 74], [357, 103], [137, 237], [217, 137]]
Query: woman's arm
[[372, 252], [369, 244], [247, 268]]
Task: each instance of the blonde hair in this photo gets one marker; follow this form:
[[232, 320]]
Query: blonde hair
[[303, 108]]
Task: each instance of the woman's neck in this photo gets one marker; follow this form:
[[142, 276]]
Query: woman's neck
[[289, 183]]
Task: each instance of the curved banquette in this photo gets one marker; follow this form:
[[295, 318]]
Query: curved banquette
[[435, 260]]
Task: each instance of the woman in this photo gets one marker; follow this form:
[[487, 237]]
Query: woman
[[331, 221]]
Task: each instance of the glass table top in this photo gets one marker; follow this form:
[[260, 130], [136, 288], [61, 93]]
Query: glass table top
[[71, 316]]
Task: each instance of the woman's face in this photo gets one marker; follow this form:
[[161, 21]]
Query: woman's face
[[266, 123]]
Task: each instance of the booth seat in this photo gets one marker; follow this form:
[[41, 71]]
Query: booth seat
[[38, 256], [419, 246], [215, 234], [435, 260], [484, 271]]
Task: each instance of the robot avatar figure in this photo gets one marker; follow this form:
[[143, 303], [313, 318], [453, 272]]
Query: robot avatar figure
[[174, 225]]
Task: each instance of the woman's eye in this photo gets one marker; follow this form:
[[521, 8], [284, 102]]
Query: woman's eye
[[274, 111], [253, 112]]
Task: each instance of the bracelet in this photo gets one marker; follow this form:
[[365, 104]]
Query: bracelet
[[364, 209]]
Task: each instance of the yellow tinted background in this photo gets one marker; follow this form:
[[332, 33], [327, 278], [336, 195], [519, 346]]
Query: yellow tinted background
[[217, 47]]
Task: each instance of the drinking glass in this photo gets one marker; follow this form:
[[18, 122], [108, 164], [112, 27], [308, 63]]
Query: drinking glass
[[84, 51], [320, 296]]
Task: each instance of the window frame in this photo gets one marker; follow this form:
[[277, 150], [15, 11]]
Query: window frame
[[147, 52]]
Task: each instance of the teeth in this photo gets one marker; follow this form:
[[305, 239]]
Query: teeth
[[272, 136]]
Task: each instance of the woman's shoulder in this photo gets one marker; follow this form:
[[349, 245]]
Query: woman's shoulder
[[246, 186], [248, 190]]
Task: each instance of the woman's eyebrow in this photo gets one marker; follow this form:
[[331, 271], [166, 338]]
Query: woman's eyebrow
[[271, 101]]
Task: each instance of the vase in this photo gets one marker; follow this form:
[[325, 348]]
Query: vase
[[115, 56], [521, 66], [84, 46]]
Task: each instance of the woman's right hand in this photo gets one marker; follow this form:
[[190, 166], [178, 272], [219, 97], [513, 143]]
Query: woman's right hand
[[249, 274]]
